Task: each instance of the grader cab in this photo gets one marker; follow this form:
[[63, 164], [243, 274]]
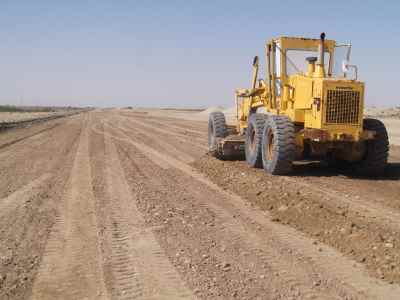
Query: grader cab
[[309, 106]]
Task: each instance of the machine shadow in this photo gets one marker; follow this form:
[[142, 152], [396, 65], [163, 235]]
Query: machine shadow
[[316, 169], [323, 169]]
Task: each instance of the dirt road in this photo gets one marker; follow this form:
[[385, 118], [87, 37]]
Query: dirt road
[[118, 204]]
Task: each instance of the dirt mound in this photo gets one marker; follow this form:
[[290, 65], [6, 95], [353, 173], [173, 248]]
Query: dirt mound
[[326, 219], [230, 115], [211, 109], [379, 112], [231, 111]]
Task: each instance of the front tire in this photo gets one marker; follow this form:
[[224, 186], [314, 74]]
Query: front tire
[[216, 130], [253, 140], [377, 150], [278, 145]]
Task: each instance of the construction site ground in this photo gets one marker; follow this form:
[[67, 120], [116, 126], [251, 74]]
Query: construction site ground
[[126, 204]]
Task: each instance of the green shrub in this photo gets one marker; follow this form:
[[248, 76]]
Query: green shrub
[[9, 108]]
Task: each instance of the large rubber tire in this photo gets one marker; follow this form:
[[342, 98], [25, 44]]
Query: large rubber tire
[[377, 150], [253, 138], [216, 129], [278, 145]]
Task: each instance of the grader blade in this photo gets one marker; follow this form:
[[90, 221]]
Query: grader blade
[[231, 147]]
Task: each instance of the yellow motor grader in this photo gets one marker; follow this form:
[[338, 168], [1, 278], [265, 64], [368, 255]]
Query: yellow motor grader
[[309, 106]]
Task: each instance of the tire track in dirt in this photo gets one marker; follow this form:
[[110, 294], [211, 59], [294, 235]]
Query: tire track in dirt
[[11, 202], [348, 193], [25, 229], [183, 138], [12, 142], [376, 212], [372, 210], [364, 210], [32, 143], [194, 125], [295, 279], [71, 266], [35, 155], [154, 187], [329, 262], [162, 142], [161, 163], [380, 192], [182, 129], [140, 268], [35, 134], [199, 137], [295, 276]]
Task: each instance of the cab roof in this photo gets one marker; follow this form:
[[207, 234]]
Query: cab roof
[[287, 42]]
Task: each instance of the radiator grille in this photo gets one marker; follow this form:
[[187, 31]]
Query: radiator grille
[[342, 107]]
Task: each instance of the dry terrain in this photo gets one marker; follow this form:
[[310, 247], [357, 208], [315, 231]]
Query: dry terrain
[[21, 116], [125, 204], [27, 115]]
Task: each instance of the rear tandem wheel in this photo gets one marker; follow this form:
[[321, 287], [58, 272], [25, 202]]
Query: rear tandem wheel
[[278, 145], [377, 150]]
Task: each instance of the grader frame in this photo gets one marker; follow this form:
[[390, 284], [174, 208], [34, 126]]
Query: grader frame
[[312, 113]]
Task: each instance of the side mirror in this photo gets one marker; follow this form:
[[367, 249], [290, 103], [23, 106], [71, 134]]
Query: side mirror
[[345, 65], [255, 61]]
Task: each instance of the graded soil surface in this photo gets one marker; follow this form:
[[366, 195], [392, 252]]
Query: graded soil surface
[[125, 204]]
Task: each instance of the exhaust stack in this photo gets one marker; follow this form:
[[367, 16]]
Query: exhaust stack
[[320, 70]]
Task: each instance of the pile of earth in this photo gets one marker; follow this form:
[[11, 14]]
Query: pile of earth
[[380, 112]]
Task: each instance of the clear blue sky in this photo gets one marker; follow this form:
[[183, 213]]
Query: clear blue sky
[[177, 53]]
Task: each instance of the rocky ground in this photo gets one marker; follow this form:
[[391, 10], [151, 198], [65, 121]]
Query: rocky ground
[[125, 204]]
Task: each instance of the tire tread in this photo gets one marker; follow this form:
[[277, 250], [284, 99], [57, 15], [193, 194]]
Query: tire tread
[[216, 121], [284, 148], [377, 154]]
